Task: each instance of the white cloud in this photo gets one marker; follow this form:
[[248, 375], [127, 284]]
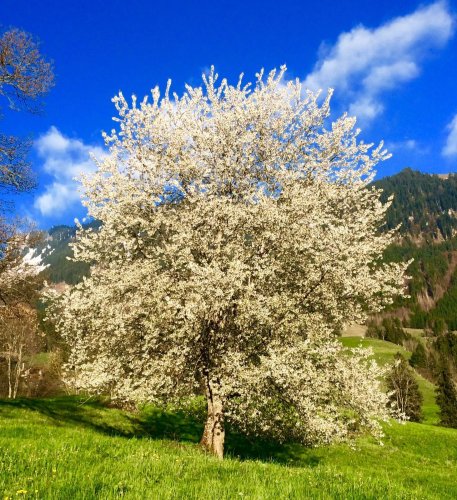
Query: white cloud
[[450, 148], [409, 146], [63, 159], [364, 63]]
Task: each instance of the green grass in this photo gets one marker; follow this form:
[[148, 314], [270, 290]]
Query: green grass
[[40, 359], [63, 449], [384, 352], [417, 333], [430, 410]]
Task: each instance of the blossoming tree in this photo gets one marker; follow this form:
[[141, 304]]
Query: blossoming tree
[[237, 238]]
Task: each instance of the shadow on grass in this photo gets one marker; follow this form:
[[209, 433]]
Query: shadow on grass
[[249, 448], [156, 423]]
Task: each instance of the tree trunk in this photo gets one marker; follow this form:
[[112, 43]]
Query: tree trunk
[[10, 384], [19, 368], [214, 432]]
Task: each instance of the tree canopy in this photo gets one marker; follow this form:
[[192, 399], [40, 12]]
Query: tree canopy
[[25, 77], [237, 237]]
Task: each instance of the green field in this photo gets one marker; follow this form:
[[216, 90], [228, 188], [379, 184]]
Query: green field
[[69, 448], [64, 449], [384, 351]]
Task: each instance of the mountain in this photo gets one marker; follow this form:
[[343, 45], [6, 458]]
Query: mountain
[[425, 205], [54, 253]]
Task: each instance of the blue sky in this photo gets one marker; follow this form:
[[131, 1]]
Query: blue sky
[[393, 64]]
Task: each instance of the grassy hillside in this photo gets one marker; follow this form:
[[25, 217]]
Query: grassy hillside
[[64, 449], [384, 351]]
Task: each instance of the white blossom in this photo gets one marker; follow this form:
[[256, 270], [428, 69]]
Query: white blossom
[[238, 237]]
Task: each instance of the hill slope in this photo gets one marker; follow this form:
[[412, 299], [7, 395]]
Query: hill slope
[[54, 252]]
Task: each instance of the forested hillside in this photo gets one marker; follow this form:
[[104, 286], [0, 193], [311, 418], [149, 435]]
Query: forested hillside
[[425, 205]]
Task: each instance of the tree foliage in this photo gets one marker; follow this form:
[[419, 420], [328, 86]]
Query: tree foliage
[[388, 329], [445, 349], [447, 398], [20, 279], [404, 389], [419, 358], [20, 282], [19, 339], [238, 236], [25, 76]]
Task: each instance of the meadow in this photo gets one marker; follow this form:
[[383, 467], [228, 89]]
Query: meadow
[[76, 448]]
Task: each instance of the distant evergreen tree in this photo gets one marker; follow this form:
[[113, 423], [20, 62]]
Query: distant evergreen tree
[[418, 318], [446, 347], [390, 329], [447, 398], [405, 389], [446, 308], [439, 326], [419, 357]]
